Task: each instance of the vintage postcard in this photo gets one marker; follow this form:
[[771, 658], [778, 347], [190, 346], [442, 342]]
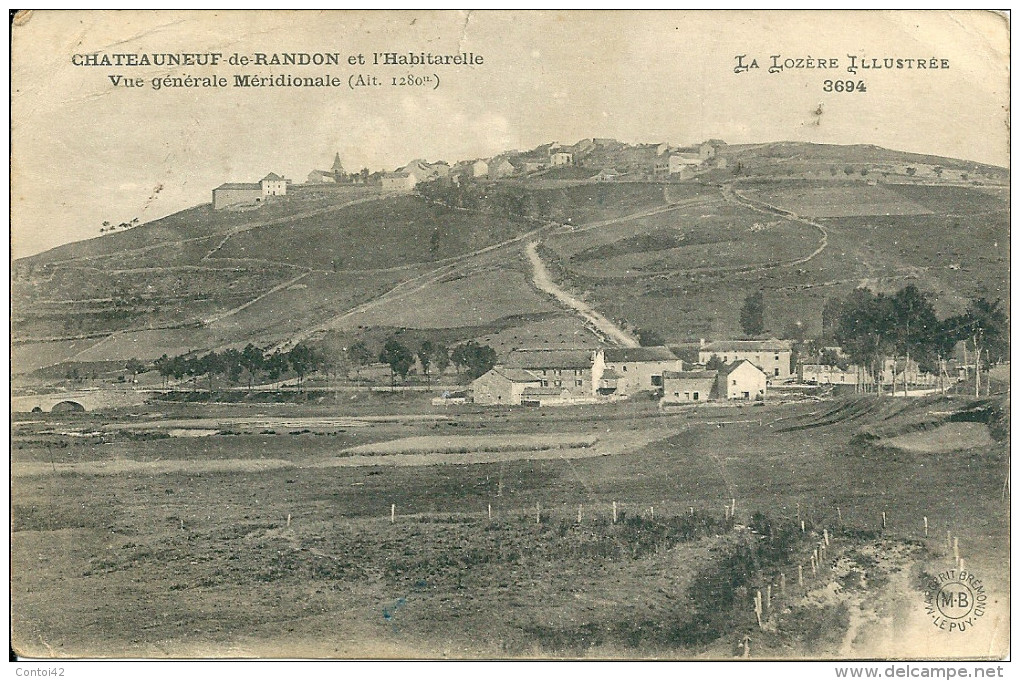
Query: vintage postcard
[[511, 334]]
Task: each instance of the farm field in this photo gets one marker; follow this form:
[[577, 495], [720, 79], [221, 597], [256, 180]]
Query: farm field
[[201, 555], [839, 200]]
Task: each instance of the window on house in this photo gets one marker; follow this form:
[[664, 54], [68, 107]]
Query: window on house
[[577, 372], [545, 384], [695, 396], [578, 382], [624, 367], [777, 358], [657, 380], [734, 381], [558, 383], [678, 394], [777, 371]]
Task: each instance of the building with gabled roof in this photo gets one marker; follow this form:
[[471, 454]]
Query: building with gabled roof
[[640, 369], [685, 387], [248, 193], [576, 372], [503, 385], [742, 380], [771, 356]]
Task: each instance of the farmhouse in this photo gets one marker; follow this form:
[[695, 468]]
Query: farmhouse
[[245, 193], [829, 374], [413, 173], [561, 157], [607, 175], [575, 373], [503, 385], [640, 369], [742, 380], [771, 356], [683, 387], [501, 167], [480, 168]]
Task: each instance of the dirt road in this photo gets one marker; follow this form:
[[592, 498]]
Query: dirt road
[[545, 283]]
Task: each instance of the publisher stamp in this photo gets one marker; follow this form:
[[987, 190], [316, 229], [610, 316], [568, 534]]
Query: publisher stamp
[[955, 600]]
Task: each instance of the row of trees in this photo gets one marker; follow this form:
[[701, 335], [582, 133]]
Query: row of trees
[[257, 364], [252, 362], [873, 327], [476, 359]]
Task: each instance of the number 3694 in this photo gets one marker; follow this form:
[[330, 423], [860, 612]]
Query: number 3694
[[844, 86]]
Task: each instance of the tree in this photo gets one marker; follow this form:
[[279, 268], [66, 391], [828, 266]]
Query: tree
[[303, 360], [426, 351], [752, 314], [984, 325], [398, 357], [478, 359], [650, 338], [360, 355], [916, 325], [831, 311], [715, 363], [253, 360]]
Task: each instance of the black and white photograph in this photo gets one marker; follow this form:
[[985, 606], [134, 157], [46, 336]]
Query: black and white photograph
[[511, 335]]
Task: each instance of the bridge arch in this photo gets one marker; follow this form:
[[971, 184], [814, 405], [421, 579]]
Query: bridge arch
[[67, 406]]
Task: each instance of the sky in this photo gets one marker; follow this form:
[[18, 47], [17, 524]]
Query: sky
[[85, 151]]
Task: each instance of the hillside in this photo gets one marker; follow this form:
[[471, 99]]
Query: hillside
[[676, 257]]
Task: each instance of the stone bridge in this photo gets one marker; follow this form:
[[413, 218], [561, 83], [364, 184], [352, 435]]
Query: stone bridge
[[79, 400]]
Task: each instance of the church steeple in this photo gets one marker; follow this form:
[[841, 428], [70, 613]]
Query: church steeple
[[338, 167]]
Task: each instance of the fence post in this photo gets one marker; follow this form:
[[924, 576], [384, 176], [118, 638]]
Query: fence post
[[288, 520], [538, 513], [825, 534], [926, 526], [393, 513], [883, 520], [614, 512], [768, 598], [757, 607], [782, 582], [490, 511], [579, 509]]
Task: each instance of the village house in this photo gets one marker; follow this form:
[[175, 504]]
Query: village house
[[501, 167], [683, 387], [828, 374], [480, 168], [771, 356], [742, 380], [248, 193], [413, 173], [561, 157], [638, 369], [503, 385], [543, 377], [607, 175]]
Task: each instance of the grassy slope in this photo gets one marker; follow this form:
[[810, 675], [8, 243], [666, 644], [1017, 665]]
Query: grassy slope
[[342, 561]]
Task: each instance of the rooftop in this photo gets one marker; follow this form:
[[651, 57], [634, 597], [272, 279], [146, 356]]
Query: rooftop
[[658, 353], [689, 374], [550, 359], [770, 345]]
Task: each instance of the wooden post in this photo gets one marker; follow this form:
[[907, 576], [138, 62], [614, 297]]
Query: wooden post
[[652, 511], [800, 575], [768, 598], [883, 520], [839, 514], [393, 513], [802, 527], [614, 512], [798, 510], [692, 511], [490, 511], [757, 607], [747, 647], [814, 568], [733, 507], [782, 582], [956, 548], [963, 565], [182, 523], [579, 510], [825, 534], [288, 520], [538, 513], [926, 526]]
